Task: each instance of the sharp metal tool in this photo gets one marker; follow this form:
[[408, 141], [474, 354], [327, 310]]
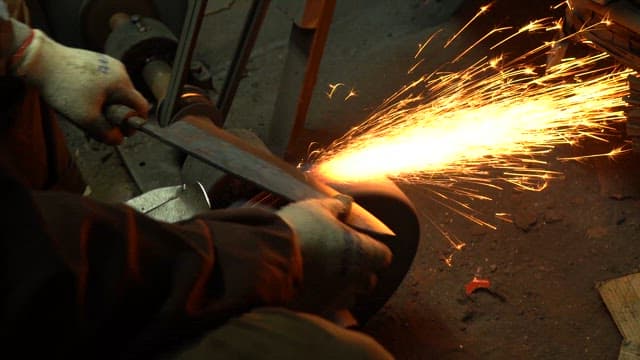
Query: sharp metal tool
[[200, 138]]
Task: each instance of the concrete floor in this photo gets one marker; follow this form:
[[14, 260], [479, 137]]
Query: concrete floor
[[583, 229]]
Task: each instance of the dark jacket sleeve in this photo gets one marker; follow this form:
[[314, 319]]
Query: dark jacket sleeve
[[6, 37], [81, 278]]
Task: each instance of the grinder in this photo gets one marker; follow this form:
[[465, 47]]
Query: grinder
[[146, 47]]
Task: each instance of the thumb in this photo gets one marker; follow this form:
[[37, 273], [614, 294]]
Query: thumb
[[377, 255], [130, 97], [100, 129], [334, 206]]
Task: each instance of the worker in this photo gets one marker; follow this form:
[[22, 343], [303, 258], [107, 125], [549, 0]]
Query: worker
[[83, 279]]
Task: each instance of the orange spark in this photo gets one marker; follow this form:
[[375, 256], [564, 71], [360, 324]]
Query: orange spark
[[493, 122], [611, 154], [415, 66], [482, 10], [559, 5], [531, 27], [332, 89], [487, 35], [475, 121], [351, 94], [424, 45]]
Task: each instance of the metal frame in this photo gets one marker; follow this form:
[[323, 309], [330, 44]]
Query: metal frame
[[250, 32], [182, 60], [306, 47]]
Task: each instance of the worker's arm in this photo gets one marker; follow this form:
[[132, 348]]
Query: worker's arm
[[77, 83], [84, 277], [80, 277], [6, 37]]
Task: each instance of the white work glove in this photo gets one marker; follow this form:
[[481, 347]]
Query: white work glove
[[80, 84], [339, 263]]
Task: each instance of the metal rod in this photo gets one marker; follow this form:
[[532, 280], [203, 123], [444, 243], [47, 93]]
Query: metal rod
[[157, 75], [186, 45], [247, 40], [306, 46]]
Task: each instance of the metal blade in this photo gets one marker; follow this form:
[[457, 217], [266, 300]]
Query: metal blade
[[200, 138]]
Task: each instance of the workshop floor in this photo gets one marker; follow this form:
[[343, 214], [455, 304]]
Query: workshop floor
[[543, 268]]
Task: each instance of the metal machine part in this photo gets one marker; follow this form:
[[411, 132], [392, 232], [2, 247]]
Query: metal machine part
[[389, 204], [306, 46], [146, 47], [384, 199], [248, 37], [198, 137], [96, 17], [172, 204], [182, 61]]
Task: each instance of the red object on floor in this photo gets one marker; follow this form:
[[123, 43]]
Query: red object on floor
[[476, 284]]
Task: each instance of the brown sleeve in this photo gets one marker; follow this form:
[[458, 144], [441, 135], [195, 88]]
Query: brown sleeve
[[6, 37], [95, 276]]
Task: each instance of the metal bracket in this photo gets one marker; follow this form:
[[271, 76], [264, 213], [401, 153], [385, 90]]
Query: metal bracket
[[182, 60], [306, 46]]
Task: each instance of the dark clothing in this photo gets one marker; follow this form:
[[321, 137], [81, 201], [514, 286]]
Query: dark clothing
[[82, 278], [32, 146]]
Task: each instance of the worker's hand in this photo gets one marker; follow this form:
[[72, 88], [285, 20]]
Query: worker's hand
[[338, 262], [80, 84]]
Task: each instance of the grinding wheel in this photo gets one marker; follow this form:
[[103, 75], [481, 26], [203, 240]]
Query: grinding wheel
[[383, 199], [95, 15], [389, 204]]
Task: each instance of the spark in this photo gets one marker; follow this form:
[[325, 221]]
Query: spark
[[495, 61], [611, 155], [487, 35], [332, 89], [506, 217], [415, 66], [531, 27], [499, 122], [351, 94], [483, 124], [482, 10], [491, 124], [448, 260], [427, 42]]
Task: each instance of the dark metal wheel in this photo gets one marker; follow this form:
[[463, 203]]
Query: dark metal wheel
[[389, 204]]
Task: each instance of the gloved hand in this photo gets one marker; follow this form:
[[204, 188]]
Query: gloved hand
[[79, 84], [339, 263]]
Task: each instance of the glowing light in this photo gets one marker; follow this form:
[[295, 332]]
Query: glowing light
[[494, 121], [351, 94], [483, 9], [488, 122], [332, 89], [501, 121]]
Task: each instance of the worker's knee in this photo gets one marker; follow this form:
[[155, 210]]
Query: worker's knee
[[275, 333]]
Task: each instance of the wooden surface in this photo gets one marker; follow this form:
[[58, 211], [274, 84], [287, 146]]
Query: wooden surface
[[622, 298]]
